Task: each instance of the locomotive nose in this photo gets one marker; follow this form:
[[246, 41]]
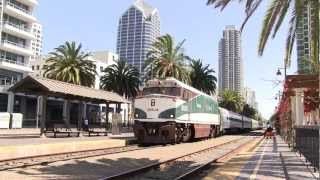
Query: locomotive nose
[[157, 105]]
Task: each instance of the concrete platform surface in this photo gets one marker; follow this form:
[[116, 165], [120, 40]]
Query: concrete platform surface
[[16, 146], [107, 165], [271, 160]]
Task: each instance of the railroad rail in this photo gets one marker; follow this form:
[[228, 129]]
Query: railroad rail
[[51, 158], [184, 166]]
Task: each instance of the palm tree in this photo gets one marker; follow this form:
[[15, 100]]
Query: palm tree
[[167, 60], [231, 101], [122, 79], [202, 78], [69, 64], [276, 13]]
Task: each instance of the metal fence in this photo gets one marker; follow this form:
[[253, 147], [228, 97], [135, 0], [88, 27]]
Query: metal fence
[[307, 143]]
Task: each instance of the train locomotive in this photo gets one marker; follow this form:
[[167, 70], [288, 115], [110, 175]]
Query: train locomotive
[[169, 111]]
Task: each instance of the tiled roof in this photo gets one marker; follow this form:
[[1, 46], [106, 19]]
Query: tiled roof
[[57, 87]]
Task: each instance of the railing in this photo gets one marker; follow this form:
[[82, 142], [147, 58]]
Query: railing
[[21, 27], [6, 82], [307, 143], [30, 123], [14, 43], [12, 62], [19, 8]]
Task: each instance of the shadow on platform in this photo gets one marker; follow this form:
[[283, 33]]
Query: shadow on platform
[[90, 169]]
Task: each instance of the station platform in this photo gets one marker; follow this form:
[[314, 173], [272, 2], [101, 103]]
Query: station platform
[[270, 159], [27, 142]]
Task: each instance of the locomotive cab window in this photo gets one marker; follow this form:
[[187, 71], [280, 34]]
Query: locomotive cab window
[[171, 91], [186, 94]]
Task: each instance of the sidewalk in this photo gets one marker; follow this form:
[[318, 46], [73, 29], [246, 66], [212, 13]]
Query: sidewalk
[[271, 160], [274, 160]]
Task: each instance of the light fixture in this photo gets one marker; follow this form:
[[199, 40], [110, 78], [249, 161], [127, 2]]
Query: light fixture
[[279, 72]]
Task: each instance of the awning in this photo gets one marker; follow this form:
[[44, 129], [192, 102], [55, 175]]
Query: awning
[[36, 85], [310, 86]]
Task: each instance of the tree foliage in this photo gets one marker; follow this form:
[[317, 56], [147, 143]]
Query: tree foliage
[[167, 59], [202, 78], [231, 101], [122, 79], [69, 64], [249, 111]]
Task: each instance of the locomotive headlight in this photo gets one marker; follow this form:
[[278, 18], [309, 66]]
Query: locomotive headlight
[[172, 116], [136, 115]]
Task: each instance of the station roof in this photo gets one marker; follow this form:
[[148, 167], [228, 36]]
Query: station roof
[[302, 81], [310, 86], [36, 85]]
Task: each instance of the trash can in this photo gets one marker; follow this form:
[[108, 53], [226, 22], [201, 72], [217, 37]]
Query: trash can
[[4, 120], [116, 124], [16, 120]]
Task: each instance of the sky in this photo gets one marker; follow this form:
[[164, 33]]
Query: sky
[[94, 24]]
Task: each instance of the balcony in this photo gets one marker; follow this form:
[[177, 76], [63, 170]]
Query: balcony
[[6, 82], [16, 11], [15, 48], [14, 66], [31, 3], [17, 30]]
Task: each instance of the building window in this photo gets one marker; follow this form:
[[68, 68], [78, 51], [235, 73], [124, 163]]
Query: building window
[[32, 68], [101, 68], [38, 67], [3, 102]]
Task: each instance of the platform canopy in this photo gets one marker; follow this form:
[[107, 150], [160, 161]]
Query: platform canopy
[[36, 85], [302, 81]]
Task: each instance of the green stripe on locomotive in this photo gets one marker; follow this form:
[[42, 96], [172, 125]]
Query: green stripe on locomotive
[[199, 104]]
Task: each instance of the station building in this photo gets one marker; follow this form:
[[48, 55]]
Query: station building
[[26, 104]]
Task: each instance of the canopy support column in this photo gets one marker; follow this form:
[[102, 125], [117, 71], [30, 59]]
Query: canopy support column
[[10, 102], [107, 115], [41, 113], [129, 114], [66, 112], [81, 115], [118, 107]]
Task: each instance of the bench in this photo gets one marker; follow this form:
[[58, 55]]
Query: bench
[[63, 129], [97, 130]]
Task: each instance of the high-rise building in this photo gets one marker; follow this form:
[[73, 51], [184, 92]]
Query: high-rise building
[[138, 29], [249, 96], [17, 19], [230, 61], [303, 34]]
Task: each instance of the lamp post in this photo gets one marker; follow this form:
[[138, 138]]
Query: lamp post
[[278, 96]]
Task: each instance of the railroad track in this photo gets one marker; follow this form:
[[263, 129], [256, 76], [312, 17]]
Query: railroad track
[[183, 166], [51, 158]]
